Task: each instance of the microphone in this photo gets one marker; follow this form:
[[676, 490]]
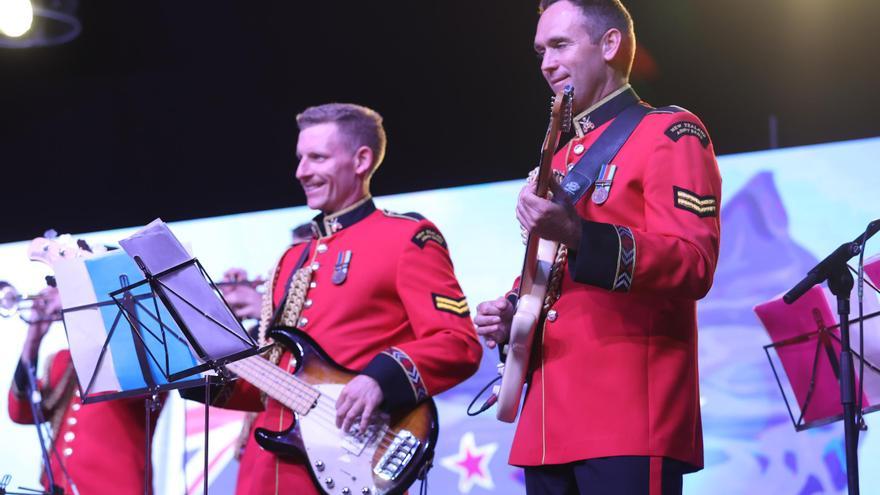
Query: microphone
[[826, 267]]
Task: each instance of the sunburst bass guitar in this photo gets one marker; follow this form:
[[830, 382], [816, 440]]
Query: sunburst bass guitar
[[534, 281], [387, 458]]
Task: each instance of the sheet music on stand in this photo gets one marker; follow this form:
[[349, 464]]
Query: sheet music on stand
[[132, 335], [805, 350], [147, 320]]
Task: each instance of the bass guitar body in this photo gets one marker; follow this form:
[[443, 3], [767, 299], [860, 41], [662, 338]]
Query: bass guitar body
[[395, 450]]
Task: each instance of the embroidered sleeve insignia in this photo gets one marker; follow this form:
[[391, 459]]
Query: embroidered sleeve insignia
[[455, 305], [686, 128], [701, 206], [429, 234]]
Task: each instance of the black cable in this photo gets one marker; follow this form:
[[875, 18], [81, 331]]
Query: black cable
[[489, 402], [860, 418]]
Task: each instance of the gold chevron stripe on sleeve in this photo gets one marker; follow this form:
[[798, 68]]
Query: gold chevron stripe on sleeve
[[456, 306]]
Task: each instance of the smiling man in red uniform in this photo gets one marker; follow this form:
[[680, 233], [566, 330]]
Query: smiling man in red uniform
[[613, 401], [376, 290]]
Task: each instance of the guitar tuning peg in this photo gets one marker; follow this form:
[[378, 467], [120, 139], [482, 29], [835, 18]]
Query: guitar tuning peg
[[50, 234]]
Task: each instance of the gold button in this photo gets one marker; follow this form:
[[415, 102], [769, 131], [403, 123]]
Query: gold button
[[303, 322], [308, 303], [552, 315], [313, 285], [69, 436], [578, 149], [68, 451], [75, 407], [322, 248], [315, 266], [71, 421]]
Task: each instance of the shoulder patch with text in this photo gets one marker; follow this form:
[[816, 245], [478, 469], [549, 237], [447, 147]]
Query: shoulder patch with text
[[455, 305], [701, 206], [429, 234], [686, 128]]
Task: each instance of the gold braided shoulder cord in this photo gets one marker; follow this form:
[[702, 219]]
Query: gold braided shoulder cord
[[299, 285]]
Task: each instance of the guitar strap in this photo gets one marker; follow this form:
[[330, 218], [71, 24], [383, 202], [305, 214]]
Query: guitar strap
[[584, 174]]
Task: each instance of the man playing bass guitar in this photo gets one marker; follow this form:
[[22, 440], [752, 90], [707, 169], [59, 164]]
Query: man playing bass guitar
[[613, 398], [376, 290]]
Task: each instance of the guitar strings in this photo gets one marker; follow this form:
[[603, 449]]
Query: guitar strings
[[325, 414]]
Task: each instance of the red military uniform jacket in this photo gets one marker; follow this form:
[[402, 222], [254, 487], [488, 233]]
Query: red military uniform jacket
[[615, 370], [101, 444], [395, 304]]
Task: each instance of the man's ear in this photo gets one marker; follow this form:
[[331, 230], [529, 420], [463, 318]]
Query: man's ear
[[363, 161], [610, 44]]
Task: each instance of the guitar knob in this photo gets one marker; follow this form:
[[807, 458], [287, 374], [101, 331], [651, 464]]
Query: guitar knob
[[319, 465], [346, 491], [365, 491], [328, 482]]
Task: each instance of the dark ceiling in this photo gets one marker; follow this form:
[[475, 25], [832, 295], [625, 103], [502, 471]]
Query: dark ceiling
[[186, 109]]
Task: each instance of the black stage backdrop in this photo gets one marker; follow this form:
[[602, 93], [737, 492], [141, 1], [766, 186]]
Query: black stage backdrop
[[185, 109]]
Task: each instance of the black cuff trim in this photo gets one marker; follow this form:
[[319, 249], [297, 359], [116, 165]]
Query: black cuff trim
[[397, 375], [595, 262], [20, 379]]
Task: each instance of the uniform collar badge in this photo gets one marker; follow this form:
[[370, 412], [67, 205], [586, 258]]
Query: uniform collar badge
[[604, 110], [328, 224]]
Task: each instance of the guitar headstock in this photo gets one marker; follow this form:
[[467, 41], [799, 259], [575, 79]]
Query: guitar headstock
[[49, 250], [567, 106], [561, 108]]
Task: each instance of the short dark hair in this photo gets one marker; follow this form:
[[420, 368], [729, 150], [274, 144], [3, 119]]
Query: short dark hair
[[359, 125], [600, 16]]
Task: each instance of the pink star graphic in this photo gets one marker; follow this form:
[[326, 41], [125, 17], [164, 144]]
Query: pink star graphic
[[471, 463]]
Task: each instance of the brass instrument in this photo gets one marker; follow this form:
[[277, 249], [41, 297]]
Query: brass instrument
[[13, 303]]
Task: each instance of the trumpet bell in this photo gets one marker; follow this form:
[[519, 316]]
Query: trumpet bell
[[9, 300]]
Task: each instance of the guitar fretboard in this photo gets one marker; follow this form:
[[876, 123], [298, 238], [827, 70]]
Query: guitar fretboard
[[276, 383]]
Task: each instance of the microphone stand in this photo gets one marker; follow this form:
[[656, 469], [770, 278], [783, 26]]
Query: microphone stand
[[835, 270]]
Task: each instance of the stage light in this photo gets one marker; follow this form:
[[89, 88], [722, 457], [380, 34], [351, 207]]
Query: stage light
[[30, 23], [16, 17]]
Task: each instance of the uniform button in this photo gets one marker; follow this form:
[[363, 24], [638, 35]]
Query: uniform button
[[77, 393], [322, 248], [75, 407], [313, 285], [68, 451], [552, 315], [578, 149], [303, 322], [569, 166], [308, 303], [69, 436], [315, 266], [71, 421]]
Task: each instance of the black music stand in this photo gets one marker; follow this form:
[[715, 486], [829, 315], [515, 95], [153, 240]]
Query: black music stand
[[804, 359], [159, 342], [836, 272]]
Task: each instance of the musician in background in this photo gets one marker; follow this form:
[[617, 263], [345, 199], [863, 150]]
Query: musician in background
[[375, 289], [613, 401], [100, 445]]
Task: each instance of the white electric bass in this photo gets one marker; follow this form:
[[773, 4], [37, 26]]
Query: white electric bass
[[535, 279]]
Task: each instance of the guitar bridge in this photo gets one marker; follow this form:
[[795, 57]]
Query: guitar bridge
[[398, 456]]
